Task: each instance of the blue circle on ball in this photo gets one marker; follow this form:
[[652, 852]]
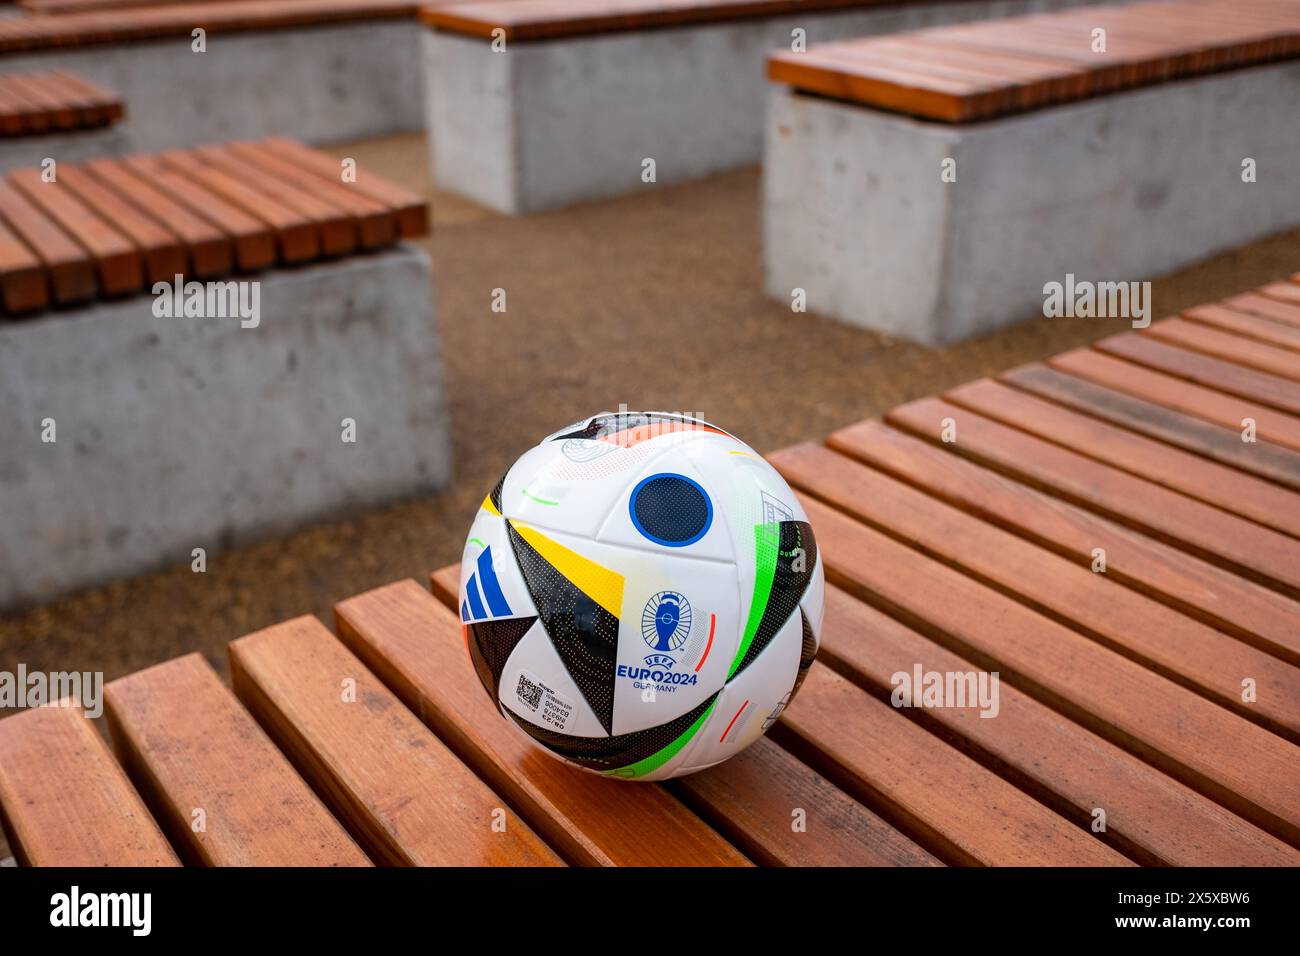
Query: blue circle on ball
[[670, 509]]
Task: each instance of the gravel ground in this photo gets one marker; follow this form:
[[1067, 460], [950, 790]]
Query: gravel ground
[[653, 301]]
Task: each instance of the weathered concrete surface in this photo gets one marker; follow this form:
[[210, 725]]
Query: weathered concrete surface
[[1120, 188], [319, 84], [549, 123], [20, 152], [178, 433]]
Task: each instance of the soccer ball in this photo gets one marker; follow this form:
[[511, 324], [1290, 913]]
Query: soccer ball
[[641, 595]]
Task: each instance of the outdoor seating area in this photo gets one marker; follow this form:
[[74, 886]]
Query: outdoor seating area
[[947, 555], [1118, 165], [290, 285]]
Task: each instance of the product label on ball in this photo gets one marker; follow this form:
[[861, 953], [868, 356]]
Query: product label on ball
[[546, 706]]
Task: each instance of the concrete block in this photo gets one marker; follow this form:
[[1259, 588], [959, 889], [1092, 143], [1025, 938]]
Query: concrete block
[[320, 84], [177, 433], [549, 123], [1122, 187]]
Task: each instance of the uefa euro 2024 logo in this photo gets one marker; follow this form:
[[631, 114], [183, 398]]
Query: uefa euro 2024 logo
[[666, 621]]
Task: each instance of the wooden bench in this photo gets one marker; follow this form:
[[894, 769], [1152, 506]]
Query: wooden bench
[[592, 89], [1122, 734], [245, 286], [54, 113], [1103, 143], [355, 67]]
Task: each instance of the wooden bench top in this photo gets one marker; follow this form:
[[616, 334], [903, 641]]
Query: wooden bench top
[[95, 27], [1161, 691], [54, 102], [114, 227], [993, 68], [551, 19]]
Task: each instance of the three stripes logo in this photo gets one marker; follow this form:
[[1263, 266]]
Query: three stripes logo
[[483, 596]]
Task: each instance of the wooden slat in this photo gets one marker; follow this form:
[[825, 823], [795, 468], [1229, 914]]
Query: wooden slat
[[1234, 762], [1271, 390], [296, 237], [1185, 650], [939, 796], [1223, 445], [1219, 485], [1204, 403], [751, 796], [1245, 324], [985, 69], [1149, 816], [1262, 555], [754, 796], [23, 286], [253, 241], [336, 230], [1252, 613], [65, 801], [416, 646], [1288, 292], [1276, 309], [208, 250], [161, 252], [1233, 348], [117, 260], [411, 210], [69, 267], [61, 114], [405, 797], [189, 746], [376, 224], [176, 20]]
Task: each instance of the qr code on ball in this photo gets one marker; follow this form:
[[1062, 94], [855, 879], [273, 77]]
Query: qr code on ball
[[529, 693]]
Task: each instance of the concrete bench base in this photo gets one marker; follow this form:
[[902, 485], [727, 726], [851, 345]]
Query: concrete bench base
[[179, 433], [24, 152], [550, 123], [1120, 188], [320, 84]]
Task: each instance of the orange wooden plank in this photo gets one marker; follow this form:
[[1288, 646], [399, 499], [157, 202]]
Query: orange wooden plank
[[1288, 292], [70, 269], [253, 241], [1143, 630], [933, 792], [1245, 768], [1219, 485], [410, 210], [23, 285], [1149, 816], [296, 237], [1233, 348], [65, 801], [336, 229], [1271, 390], [1276, 309], [375, 223], [208, 250], [1254, 614], [415, 645], [1224, 445], [117, 260], [404, 796], [162, 253], [1264, 556], [755, 798], [1206, 404], [192, 749], [1245, 324]]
